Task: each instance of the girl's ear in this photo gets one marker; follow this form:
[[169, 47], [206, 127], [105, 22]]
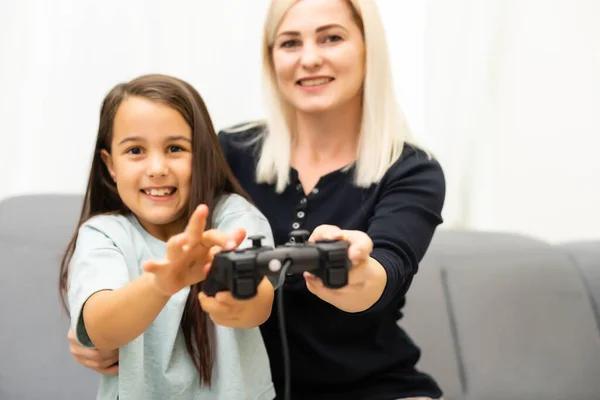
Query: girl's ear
[[107, 158]]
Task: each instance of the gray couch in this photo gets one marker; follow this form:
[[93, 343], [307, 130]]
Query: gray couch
[[498, 316]]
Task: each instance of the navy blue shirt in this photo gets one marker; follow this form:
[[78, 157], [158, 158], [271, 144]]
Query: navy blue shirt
[[335, 354]]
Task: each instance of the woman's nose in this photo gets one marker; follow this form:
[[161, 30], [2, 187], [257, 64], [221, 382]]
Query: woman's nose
[[311, 56]]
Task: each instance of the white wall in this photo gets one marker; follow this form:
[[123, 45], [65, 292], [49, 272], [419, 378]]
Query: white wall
[[513, 100], [503, 91]]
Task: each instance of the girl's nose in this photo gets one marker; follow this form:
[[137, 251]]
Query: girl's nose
[[157, 165]]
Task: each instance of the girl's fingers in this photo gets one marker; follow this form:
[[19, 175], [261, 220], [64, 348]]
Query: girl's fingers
[[176, 246], [153, 266], [238, 236], [214, 237], [215, 250], [197, 224]]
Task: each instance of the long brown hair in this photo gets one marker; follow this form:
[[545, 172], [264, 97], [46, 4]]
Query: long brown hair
[[211, 178]]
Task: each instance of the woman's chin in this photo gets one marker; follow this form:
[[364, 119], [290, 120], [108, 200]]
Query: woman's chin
[[315, 107]]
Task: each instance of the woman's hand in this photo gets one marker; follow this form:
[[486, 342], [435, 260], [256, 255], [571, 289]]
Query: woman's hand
[[366, 279], [225, 310], [189, 254], [102, 361]]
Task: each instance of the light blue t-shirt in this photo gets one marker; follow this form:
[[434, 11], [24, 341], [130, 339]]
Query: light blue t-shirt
[[109, 253]]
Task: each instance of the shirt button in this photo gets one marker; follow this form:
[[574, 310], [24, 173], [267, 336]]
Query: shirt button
[[295, 225], [300, 214], [315, 191], [299, 187], [303, 200]]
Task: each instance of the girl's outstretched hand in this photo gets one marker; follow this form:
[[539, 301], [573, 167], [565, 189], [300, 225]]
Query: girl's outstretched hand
[[190, 253]]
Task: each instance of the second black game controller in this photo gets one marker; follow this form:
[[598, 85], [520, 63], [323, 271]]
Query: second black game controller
[[241, 270]]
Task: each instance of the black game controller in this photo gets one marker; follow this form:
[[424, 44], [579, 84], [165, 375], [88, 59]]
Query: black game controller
[[241, 270]]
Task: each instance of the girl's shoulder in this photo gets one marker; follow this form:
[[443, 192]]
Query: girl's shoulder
[[234, 211], [232, 204], [107, 223], [111, 228]]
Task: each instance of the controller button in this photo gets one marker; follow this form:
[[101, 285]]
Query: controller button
[[337, 277], [245, 287], [244, 265], [336, 254], [274, 265]]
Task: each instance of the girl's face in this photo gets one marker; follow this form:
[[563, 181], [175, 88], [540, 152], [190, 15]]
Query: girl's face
[[319, 56], [151, 162]]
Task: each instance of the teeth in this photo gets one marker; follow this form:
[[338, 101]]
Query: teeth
[[314, 82], [159, 192]]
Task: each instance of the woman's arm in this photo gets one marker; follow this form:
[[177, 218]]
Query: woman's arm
[[104, 362], [386, 257]]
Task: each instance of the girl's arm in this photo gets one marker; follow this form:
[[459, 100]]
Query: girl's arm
[[113, 318]]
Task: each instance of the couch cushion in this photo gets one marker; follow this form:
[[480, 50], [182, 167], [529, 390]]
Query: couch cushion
[[427, 322], [427, 315], [503, 316], [586, 256], [36, 362], [522, 320]]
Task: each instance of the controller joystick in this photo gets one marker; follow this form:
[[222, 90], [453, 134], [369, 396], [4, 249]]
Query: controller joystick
[[299, 236], [256, 241]]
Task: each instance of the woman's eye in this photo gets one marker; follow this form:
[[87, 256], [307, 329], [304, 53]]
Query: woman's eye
[[289, 43], [175, 149], [333, 38], [134, 151]]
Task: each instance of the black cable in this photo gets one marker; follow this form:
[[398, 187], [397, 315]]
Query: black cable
[[284, 343]]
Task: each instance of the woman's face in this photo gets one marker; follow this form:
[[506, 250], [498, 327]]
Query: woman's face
[[319, 56]]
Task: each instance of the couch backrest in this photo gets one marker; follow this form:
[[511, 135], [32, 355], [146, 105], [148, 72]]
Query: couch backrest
[[504, 316], [35, 362]]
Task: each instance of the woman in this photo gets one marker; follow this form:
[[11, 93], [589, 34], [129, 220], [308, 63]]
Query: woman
[[335, 157]]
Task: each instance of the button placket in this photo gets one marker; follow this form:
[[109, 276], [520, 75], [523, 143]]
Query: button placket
[[300, 209]]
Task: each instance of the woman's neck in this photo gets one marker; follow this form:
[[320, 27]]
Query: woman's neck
[[332, 136]]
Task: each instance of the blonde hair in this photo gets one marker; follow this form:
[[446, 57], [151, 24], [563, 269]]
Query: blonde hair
[[384, 130]]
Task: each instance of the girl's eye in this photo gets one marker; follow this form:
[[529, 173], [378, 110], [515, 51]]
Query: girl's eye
[[175, 149], [134, 151]]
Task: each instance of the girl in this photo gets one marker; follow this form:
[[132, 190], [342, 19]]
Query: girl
[[160, 201]]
